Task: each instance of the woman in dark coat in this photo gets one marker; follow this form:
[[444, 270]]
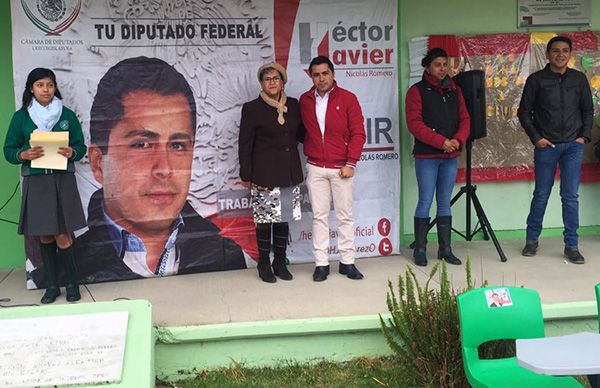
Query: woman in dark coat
[[50, 206], [270, 129], [437, 117]]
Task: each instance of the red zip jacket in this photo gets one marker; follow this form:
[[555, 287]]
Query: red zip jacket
[[425, 134], [344, 135]]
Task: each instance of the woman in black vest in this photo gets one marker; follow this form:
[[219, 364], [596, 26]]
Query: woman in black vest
[[437, 117], [270, 167]]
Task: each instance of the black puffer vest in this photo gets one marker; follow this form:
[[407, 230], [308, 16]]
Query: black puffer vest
[[440, 112]]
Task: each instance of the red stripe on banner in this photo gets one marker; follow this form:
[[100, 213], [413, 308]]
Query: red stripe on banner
[[284, 15], [590, 172], [239, 229], [582, 40], [323, 48], [494, 44], [446, 42]]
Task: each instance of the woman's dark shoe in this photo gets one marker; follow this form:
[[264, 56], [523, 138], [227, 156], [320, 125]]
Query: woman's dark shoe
[[67, 257], [448, 257], [263, 239], [265, 272], [281, 233], [280, 269], [48, 252], [444, 229], [73, 294], [420, 258], [421, 229]]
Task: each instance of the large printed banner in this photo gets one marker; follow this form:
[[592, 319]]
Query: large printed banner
[[158, 87]]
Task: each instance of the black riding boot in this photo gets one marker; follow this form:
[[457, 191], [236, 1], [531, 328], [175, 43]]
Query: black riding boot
[[421, 229], [48, 252], [444, 229], [67, 258], [281, 231], [263, 238]]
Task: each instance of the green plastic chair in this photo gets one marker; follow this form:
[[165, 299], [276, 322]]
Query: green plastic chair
[[480, 323], [595, 380], [598, 302]]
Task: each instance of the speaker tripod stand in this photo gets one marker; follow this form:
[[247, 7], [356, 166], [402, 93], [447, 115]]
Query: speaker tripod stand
[[483, 224]]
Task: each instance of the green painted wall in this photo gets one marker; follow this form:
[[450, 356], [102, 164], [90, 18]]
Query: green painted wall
[[181, 352], [12, 252], [505, 204]]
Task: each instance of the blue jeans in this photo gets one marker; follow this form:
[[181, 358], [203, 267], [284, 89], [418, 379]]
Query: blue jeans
[[568, 157], [435, 175]]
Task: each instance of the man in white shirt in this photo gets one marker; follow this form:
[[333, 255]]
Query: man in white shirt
[[335, 135]]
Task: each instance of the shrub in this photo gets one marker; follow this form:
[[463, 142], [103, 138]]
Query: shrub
[[424, 331]]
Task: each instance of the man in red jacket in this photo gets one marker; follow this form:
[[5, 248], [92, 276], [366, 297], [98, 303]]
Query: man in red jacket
[[335, 135]]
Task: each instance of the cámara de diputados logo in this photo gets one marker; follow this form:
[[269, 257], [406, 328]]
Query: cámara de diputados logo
[[52, 16]]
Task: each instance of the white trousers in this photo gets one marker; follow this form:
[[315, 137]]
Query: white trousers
[[325, 184]]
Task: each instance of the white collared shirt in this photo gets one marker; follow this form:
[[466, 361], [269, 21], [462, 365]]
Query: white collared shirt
[[321, 109]]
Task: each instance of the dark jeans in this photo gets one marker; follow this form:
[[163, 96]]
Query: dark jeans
[[435, 176], [568, 157]]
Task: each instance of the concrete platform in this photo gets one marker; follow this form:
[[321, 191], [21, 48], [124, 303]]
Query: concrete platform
[[239, 296]]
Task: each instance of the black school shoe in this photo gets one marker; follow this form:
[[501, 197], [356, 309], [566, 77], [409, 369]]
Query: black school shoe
[[351, 271], [50, 295]]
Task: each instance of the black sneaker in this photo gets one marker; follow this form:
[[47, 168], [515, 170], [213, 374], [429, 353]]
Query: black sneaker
[[530, 248], [574, 256]]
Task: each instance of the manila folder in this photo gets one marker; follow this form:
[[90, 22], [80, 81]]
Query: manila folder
[[50, 142]]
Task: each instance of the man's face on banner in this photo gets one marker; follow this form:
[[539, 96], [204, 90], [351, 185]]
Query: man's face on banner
[[146, 170]]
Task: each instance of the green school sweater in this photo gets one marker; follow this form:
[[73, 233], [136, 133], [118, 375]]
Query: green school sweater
[[19, 133]]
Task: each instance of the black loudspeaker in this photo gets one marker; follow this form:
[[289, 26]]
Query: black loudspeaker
[[472, 84]]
